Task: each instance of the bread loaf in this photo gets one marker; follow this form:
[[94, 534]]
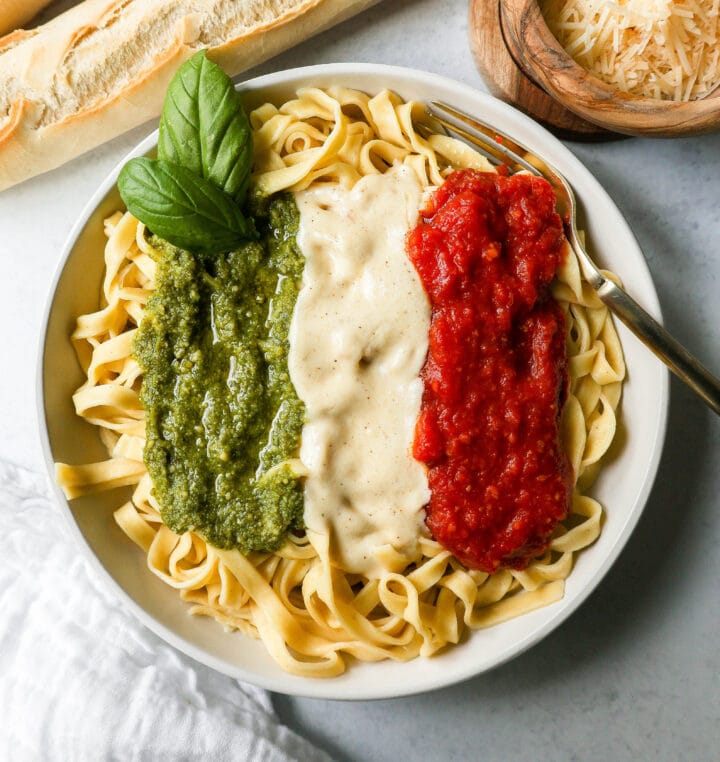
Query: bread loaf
[[102, 67], [15, 13]]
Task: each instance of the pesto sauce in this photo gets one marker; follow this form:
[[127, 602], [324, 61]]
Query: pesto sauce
[[222, 416]]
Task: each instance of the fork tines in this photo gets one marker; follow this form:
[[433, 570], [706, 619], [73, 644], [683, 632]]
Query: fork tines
[[496, 146]]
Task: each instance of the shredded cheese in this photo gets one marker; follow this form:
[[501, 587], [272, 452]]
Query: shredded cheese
[[654, 48]]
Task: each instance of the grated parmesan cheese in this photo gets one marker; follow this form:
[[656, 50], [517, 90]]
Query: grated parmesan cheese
[[653, 48]]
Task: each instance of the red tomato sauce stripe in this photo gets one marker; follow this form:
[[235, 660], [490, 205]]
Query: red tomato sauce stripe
[[495, 378]]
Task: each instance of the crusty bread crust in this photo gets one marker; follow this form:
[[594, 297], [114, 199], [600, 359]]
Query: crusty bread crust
[[103, 67], [15, 13]]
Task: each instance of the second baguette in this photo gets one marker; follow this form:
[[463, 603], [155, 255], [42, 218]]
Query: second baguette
[[103, 67], [15, 13]]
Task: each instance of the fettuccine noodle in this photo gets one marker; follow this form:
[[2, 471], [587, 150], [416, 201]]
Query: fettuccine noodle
[[310, 614]]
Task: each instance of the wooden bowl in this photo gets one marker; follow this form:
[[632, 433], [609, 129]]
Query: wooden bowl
[[537, 51]]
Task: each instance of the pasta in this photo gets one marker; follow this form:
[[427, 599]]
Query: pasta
[[310, 614]]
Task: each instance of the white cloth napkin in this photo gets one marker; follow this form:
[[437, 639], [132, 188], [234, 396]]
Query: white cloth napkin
[[81, 679]]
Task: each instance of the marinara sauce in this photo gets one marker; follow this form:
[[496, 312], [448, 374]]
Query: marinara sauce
[[495, 377]]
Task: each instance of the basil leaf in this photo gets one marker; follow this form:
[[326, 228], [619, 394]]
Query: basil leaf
[[183, 208], [204, 127]]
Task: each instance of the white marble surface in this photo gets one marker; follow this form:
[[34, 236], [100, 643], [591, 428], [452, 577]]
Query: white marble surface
[[634, 673]]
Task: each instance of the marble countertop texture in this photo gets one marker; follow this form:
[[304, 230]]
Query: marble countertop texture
[[634, 674]]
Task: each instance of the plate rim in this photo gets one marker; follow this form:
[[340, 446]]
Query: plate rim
[[318, 687]]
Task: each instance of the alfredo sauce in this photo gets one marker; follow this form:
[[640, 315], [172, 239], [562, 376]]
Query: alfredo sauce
[[358, 340]]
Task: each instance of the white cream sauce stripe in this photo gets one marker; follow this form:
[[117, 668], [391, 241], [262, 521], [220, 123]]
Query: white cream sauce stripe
[[358, 340]]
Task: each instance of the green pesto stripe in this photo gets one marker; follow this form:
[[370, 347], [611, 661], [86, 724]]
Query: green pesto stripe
[[221, 410]]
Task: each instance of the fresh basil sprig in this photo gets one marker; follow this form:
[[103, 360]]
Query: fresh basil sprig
[[191, 195], [204, 128], [182, 207]]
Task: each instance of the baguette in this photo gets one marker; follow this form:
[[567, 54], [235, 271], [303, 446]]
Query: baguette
[[103, 66], [15, 13]]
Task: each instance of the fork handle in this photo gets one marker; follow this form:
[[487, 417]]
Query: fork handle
[[683, 364]]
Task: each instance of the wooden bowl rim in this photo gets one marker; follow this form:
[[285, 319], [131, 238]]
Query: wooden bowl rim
[[554, 69]]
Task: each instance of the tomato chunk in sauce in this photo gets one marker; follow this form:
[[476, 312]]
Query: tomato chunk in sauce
[[495, 379]]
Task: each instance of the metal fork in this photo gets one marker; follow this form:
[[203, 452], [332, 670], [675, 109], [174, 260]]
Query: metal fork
[[501, 149]]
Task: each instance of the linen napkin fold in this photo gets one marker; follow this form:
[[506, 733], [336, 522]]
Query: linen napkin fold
[[81, 679]]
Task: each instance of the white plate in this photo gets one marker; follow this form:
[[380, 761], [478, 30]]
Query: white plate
[[623, 486]]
